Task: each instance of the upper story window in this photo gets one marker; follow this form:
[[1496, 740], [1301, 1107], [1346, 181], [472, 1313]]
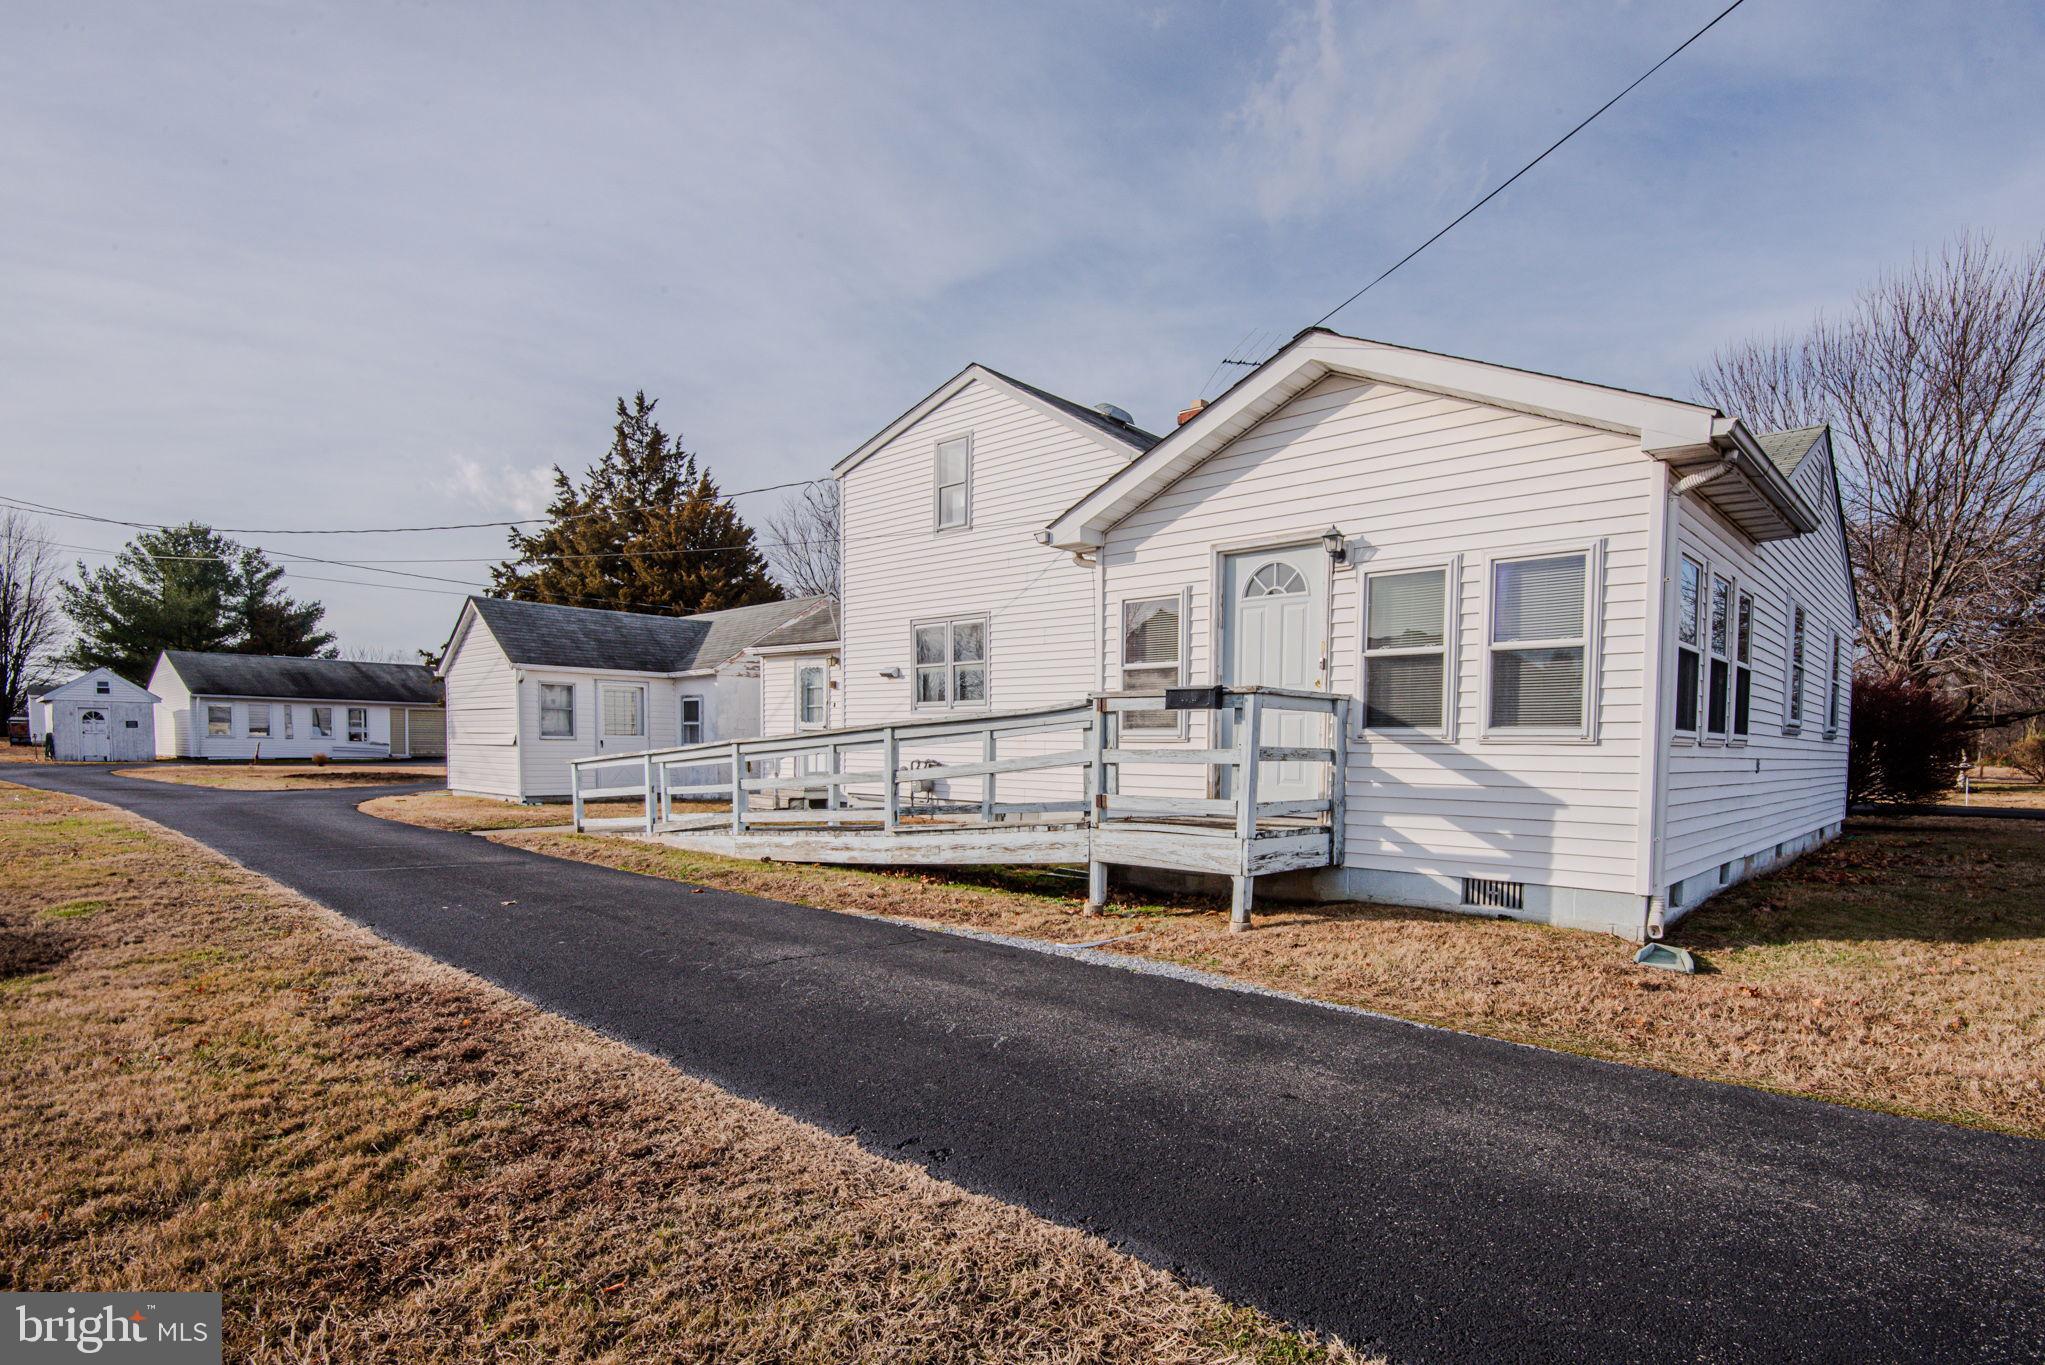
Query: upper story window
[[1405, 650], [1539, 669], [951, 662], [103, 687], [954, 477], [557, 711], [1153, 656], [1689, 635]]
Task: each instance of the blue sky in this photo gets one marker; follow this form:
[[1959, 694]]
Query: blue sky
[[282, 265]]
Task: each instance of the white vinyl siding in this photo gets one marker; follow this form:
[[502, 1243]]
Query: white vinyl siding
[[1771, 785], [483, 756], [1416, 479], [780, 710]]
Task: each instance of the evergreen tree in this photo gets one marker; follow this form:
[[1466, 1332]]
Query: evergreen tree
[[185, 587], [645, 531]]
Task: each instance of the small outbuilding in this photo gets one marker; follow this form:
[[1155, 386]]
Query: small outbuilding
[[98, 717], [248, 706]]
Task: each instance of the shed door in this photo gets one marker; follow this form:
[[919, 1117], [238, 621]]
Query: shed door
[[94, 740], [1275, 629]]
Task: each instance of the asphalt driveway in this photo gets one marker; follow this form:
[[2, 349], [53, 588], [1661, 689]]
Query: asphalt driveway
[[1425, 1194]]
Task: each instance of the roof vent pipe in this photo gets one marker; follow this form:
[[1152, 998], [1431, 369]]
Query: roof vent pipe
[[1114, 414]]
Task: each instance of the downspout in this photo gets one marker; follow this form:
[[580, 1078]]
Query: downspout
[[1661, 548]]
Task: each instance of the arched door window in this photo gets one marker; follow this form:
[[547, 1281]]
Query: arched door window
[[1276, 579]]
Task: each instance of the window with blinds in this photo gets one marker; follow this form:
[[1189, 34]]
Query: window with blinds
[[1540, 640], [557, 711], [1718, 639], [259, 721], [1689, 605], [951, 663], [954, 478], [1405, 650], [624, 712], [1153, 649]]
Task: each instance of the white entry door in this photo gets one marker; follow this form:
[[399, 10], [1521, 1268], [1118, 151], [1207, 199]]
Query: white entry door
[[94, 738], [620, 718], [1275, 634]]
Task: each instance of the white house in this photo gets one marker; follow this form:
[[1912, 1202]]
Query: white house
[[1601, 641], [247, 706], [97, 716], [801, 680], [531, 686]]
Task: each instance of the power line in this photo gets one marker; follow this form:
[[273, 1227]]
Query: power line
[[1531, 164]]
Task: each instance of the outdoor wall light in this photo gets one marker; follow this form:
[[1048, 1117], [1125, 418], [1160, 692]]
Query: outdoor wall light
[[891, 672], [1337, 546]]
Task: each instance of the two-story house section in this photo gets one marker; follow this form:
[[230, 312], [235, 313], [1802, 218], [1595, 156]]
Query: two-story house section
[[951, 605]]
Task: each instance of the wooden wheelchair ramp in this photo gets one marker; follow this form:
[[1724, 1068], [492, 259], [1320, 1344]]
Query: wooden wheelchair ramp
[[1058, 785]]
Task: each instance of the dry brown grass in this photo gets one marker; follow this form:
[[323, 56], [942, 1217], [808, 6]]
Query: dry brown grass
[[2007, 793], [21, 753], [445, 810], [284, 777], [214, 1084], [1902, 968]]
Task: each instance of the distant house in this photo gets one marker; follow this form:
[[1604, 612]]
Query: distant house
[[97, 717], [245, 706], [532, 685]]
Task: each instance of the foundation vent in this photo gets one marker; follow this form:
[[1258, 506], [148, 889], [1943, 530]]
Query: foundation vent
[[1494, 895]]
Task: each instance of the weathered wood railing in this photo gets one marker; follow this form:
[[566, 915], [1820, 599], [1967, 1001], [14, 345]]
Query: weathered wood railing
[[857, 776]]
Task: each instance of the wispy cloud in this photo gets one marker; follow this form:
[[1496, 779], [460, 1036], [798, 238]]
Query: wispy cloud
[[500, 490]]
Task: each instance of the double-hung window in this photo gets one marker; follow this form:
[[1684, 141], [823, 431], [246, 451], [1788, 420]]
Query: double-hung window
[[692, 718], [951, 663], [1832, 695], [1153, 657], [1743, 666], [323, 722], [812, 692], [1538, 680], [1793, 688], [1689, 633], [1405, 650], [219, 721], [954, 478], [557, 710], [259, 721], [358, 725], [1718, 639]]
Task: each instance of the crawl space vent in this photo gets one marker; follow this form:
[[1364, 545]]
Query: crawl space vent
[[1494, 895]]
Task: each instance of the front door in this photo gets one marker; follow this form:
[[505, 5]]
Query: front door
[[94, 738], [620, 718], [1275, 634]]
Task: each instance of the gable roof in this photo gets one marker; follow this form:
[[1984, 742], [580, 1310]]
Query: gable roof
[[817, 626], [1786, 449], [1683, 435], [78, 687], [274, 675], [544, 635], [1119, 436]]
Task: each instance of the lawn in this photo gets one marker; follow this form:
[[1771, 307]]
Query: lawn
[[215, 1084], [445, 810], [2005, 792], [1901, 968], [281, 777]]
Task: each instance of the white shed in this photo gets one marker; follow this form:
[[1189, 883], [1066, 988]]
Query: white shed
[[100, 717]]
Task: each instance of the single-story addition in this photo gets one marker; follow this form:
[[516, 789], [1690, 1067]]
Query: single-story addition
[[532, 685], [247, 706], [800, 680], [97, 717]]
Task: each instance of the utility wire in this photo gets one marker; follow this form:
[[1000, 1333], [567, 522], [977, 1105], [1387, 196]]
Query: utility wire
[[1530, 165]]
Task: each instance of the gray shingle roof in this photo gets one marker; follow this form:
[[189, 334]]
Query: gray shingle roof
[[1131, 435], [1786, 449], [817, 626], [270, 675], [543, 635]]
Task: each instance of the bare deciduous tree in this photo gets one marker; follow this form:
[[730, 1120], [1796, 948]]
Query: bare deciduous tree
[[31, 627], [803, 540], [1934, 385]]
